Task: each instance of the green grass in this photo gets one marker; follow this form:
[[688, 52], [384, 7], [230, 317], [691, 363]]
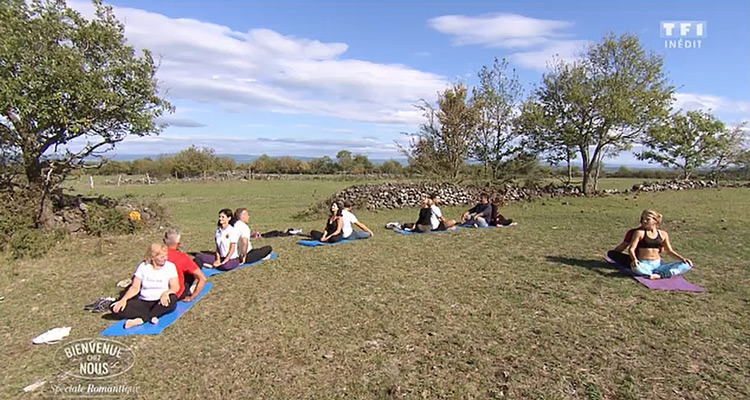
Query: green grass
[[526, 313]]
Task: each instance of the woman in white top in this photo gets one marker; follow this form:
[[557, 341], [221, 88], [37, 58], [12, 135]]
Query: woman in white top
[[155, 284], [244, 248], [226, 257]]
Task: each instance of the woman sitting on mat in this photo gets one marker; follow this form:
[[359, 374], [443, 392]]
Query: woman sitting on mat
[[497, 218], [425, 213], [155, 284], [244, 247], [226, 237], [645, 248], [334, 225]]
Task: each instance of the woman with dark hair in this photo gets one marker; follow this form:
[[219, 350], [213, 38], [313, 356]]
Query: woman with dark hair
[[226, 237], [333, 232], [645, 248], [155, 283], [497, 219]]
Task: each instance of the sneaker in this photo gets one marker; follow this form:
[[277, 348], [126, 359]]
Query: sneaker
[[294, 231], [393, 225], [255, 235]]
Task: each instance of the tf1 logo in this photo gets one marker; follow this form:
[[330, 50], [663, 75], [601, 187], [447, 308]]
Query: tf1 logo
[[683, 29]]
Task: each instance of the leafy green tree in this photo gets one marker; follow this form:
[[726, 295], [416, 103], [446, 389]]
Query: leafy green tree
[[442, 145], [193, 161], [344, 160], [322, 165], [497, 98], [599, 106], [391, 167], [361, 164], [686, 142], [71, 89]]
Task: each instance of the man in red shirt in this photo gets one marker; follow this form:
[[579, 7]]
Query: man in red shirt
[[187, 271]]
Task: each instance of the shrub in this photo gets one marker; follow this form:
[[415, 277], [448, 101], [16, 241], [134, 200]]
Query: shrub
[[101, 220]]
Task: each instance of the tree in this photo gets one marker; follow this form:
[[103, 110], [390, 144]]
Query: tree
[[599, 106], [496, 98], [322, 165], [685, 142], [442, 144], [193, 161], [71, 89], [344, 159], [391, 167], [361, 164]]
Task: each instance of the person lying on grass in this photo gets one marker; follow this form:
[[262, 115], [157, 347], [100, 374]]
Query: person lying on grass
[[437, 221], [479, 215], [347, 219], [644, 250], [333, 232], [226, 236], [244, 247], [189, 275], [153, 291], [497, 218]]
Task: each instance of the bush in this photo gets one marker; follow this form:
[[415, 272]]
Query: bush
[[33, 243], [101, 220]]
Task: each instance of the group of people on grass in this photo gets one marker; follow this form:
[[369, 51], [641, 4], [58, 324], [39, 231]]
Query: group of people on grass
[[167, 275]]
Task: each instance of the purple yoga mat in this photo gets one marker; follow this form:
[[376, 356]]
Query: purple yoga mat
[[677, 283]]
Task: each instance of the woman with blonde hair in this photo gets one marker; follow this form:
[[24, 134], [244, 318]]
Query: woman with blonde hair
[[153, 291], [645, 247]]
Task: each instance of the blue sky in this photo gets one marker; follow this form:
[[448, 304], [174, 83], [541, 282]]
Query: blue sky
[[309, 79]]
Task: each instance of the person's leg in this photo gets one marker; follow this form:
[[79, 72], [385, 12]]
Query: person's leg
[[481, 222], [359, 235], [134, 308], [316, 235], [157, 310], [422, 228], [646, 267], [189, 280], [229, 265], [258, 254], [671, 269], [619, 258], [204, 258]]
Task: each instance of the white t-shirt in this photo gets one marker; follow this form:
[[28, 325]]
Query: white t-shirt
[[154, 282], [347, 219], [244, 232], [435, 217], [224, 239]]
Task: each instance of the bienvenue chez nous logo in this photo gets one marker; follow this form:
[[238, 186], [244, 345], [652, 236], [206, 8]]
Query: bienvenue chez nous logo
[[94, 360]]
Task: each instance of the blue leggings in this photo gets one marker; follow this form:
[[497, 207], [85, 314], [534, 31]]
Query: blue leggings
[[665, 270]]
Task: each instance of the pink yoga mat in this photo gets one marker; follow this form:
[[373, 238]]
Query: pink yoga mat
[[678, 283]]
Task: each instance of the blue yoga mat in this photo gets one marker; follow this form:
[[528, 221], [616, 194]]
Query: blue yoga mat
[[405, 232], [213, 271], [313, 243], [118, 328]]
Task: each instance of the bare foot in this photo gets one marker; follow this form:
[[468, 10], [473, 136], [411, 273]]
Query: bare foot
[[207, 265], [654, 277], [154, 320], [133, 322]]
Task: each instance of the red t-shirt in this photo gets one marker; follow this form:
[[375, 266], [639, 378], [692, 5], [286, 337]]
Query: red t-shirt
[[628, 236], [184, 264]]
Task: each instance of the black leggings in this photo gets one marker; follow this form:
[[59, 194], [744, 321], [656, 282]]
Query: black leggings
[[619, 258], [145, 310], [333, 239], [258, 254]]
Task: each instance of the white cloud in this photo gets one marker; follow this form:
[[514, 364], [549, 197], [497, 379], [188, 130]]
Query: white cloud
[[535, 42], [708, 102], [265, 70], [499, 30], [567, 51]]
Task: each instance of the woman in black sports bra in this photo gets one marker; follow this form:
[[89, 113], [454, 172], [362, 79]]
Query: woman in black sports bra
[[645, 247], [333, 232], [425, 213]]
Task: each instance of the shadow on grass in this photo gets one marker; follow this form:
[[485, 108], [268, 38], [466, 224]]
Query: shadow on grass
[[598, 266]]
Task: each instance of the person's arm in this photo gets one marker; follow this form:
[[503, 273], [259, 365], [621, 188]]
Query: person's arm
[[622, 246], [232, 246], [201, 282], [217, 260], [339, 225], [174, 287], [364, 228], [670, 250], [242, 251], [135, 288], [632, 248]]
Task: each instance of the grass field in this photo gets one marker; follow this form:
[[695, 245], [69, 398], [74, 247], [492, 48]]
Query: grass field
[[529, 312]]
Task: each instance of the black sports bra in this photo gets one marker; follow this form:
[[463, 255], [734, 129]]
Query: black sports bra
[[648, 243]]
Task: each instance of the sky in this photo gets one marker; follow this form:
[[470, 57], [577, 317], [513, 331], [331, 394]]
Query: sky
[[311, 78]]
